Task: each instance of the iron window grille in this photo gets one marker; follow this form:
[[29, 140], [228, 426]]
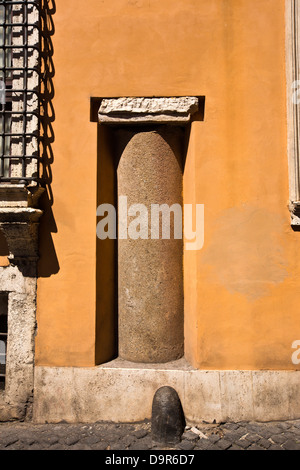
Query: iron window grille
[[19, 90]]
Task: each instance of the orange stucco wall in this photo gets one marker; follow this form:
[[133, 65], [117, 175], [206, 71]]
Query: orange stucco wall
[[242, 289]]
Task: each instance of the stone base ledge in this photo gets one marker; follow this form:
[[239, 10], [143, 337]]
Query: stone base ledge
[[123, 392]]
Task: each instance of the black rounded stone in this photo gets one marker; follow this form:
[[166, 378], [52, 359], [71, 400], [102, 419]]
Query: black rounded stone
[[168, 422]]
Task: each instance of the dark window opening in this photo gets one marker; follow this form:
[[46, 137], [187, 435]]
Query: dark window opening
[[3, 337]]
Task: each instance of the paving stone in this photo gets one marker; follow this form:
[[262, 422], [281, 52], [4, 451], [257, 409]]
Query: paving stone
[[273, 429], [290, 435], [157, 447], [186, 445], [128, 440], [284, 425], [235, 447], [120, 432], [233, 436], [69, 440], [203, 444], [48, 440], [265, 433], [213, 447], [90, 440], [101, 446], [231, 426], [118, 446], [291, 445], [9, 440], [264, 443], [142, 444], [111, 436], [243, 443], [279, 438], [77, 446], [223, 444], [213, 438], [190, 436], [254, 427], [275, 447], [253, 437], [59, 430], [37, 446], [255, 447], [17, 446], [241, 430], [28, 441], [294, 430], [140, 433]]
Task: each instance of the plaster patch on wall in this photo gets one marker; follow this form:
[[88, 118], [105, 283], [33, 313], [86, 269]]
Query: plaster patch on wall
[[245, 251]]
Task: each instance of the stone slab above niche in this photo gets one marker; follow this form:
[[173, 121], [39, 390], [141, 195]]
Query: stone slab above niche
[[143, 110]]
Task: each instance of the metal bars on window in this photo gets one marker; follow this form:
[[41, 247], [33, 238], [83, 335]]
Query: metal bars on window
[[19, 90]]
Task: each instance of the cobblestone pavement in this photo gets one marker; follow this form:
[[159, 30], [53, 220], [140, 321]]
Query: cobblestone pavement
[[108, 436]]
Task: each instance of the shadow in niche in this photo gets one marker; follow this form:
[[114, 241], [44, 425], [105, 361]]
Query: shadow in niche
[[48, 262], [4, 250], [106, 255], [296, 228]]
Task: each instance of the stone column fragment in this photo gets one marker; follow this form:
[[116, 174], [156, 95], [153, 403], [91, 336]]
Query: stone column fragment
[[150, 274]]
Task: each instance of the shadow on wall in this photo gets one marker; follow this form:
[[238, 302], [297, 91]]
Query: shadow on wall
[[4, 250], [48, 262]]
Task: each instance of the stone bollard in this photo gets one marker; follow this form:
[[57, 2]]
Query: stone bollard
[[167, 422]]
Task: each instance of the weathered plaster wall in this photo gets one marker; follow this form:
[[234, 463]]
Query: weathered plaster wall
[[242, 288]]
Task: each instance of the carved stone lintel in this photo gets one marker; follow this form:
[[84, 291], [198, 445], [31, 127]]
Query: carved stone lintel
[[167, 110]]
